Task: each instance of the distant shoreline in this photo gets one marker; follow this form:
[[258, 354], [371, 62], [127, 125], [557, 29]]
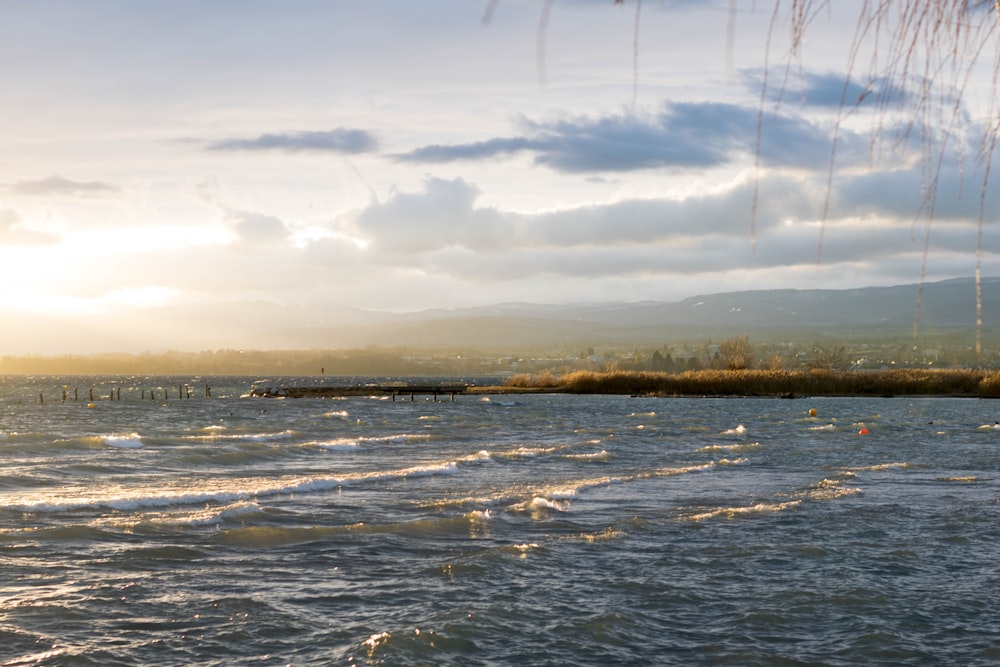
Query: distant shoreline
[[962, 383], [958, 383]]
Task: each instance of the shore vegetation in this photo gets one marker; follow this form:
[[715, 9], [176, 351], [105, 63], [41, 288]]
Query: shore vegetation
[[781, 383]]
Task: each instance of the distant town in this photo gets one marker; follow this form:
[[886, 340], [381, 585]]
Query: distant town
[[734, 353]]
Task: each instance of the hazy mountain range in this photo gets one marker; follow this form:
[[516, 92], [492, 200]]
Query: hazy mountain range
[[872, 311]]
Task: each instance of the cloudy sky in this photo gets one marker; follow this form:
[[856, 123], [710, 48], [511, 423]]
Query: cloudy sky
[[397, 155]]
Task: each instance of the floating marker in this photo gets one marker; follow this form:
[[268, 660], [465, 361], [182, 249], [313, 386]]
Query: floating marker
[[863, 431], [812, 412]]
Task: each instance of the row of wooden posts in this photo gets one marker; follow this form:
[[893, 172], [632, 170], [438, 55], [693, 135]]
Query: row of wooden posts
[[183, 391]]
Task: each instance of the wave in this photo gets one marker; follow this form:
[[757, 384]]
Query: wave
[[216, 435], [337, 444], [739, 448], [525, 452], [214, 517], [475, 523], [824, 490], [130, 441], [599, 457], [121, 499], [879, 467], [732, 512]]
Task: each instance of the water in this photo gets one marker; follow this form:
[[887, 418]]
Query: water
[[502, 530]]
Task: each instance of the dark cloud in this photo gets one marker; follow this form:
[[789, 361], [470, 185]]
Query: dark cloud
[[57, 185], [501, 147], [684, 135], [340, 140], [827, 90]]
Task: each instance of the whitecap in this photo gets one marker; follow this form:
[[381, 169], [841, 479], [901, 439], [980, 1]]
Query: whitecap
[[734, 462], [742, 447], [340, 444], [601, 456], [480, 516], [540, 503], [130, 441], [733, 512], [482, 456], [247, 490], [214, 517], [739, 429]]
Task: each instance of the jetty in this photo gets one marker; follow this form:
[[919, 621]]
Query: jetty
[[336, 391]]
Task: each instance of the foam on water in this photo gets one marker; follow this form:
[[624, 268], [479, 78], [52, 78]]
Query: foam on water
[[218, 435], [742, 447], [733, 512], [824, 427], [595, 457], [130, 441], [120, 498], [337, 444]]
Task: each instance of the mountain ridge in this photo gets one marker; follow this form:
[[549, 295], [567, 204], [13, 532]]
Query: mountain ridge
[[947, 305]]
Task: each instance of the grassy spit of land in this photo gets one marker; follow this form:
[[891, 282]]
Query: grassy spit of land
[[902, 382]]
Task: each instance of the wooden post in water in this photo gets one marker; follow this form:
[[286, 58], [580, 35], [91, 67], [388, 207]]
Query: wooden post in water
[[208, 391], [64, 395], [41, 399], [91, 394], [76, 393]]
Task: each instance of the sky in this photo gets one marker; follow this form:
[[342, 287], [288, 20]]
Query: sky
[[391, 155]]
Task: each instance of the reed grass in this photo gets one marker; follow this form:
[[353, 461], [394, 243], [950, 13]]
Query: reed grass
[[901, 382]]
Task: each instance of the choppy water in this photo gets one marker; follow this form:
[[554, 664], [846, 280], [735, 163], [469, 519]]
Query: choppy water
[[527, 530]]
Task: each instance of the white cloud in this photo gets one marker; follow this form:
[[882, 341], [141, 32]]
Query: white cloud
[[12, 232], [402, 155]]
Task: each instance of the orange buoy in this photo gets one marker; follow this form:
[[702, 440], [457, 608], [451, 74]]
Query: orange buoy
[[812, 412], [863, 431]]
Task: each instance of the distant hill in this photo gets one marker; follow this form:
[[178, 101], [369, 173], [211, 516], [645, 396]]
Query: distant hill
[[871, 312], [945, 306]]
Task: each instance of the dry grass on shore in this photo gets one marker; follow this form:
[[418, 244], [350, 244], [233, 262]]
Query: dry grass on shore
[[908, 382]]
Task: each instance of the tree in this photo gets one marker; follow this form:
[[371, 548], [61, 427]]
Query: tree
[[736, 354]]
